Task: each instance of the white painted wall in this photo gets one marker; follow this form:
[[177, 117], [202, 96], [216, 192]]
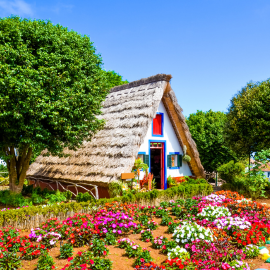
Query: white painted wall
[[172, 144]]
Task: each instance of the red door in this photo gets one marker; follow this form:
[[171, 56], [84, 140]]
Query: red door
[[157, 163]]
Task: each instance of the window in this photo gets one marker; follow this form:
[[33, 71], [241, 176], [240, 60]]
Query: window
[[268, 174], [144, 157], [158, 125], [174, 160]]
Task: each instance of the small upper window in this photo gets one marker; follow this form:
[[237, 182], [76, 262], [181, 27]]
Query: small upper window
[[268, 174], [158, 125]]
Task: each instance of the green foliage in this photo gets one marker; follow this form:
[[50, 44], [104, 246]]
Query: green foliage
[[248, 119], [16, 200], [110, 239], [186, 158], [207, 130], [115, 189], [66, 251], [251, 251], [194, 181], [51, 89], [184, 191], [139, 165], [171, 181], [57, 197], [231, 171], [133, 250], [101, 264], [255, 180], [84, 197], [251, 183], [10, 261], [36, 198], [99, 248], [166, 220], [45, 262], [3, 168], [143, 219], [113, 79], [145, 255]]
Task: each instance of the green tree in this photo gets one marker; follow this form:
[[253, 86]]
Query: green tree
[[51, 89], [248, 119], [113, 79], [207, 130]]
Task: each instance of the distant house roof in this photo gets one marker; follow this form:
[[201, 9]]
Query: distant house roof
[[265, 169], [128, 111]]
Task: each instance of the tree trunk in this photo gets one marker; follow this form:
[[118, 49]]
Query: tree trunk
[[17, 167]]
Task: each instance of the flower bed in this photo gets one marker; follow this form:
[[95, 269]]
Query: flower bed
[[28, 217], [117, 236]]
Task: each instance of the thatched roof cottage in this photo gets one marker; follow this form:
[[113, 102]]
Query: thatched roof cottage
[[143, 119]]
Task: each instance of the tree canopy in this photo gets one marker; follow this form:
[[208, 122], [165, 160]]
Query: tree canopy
[[51, 89], [207, 130], [248, 119]]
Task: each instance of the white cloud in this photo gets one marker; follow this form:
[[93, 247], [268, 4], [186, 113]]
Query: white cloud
[[15, 7]]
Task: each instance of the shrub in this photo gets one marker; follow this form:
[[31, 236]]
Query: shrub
[[251, 251], [57, 197], [115, 189], [159, 242], [143, 257], [213, 212], [231, 171], [110, 239], [45, 262], [66, 251], [152, 225], [124, 242], [9, 261], [178, 252], [99, 248], [188, 232], [84, 197], [133, 250], [146, 235]]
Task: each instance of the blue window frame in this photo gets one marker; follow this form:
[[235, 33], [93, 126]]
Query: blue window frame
[[162, 126], [176, 158]]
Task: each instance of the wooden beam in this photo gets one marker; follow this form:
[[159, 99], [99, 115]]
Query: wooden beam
[[127, 176]]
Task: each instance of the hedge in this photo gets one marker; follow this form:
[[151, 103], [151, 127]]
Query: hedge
[[23, 214]]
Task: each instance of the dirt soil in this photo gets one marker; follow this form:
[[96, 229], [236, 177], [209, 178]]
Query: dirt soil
[[121, 262]]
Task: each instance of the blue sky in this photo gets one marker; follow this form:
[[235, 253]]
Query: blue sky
[[212, 48]]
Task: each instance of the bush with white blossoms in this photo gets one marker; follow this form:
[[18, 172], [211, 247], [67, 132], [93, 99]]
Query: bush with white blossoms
[[188, 232], [239, 265], [178, 252], [213, 212], [232, 223]]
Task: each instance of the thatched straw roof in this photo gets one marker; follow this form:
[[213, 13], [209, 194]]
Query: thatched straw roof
[[128, 111]]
